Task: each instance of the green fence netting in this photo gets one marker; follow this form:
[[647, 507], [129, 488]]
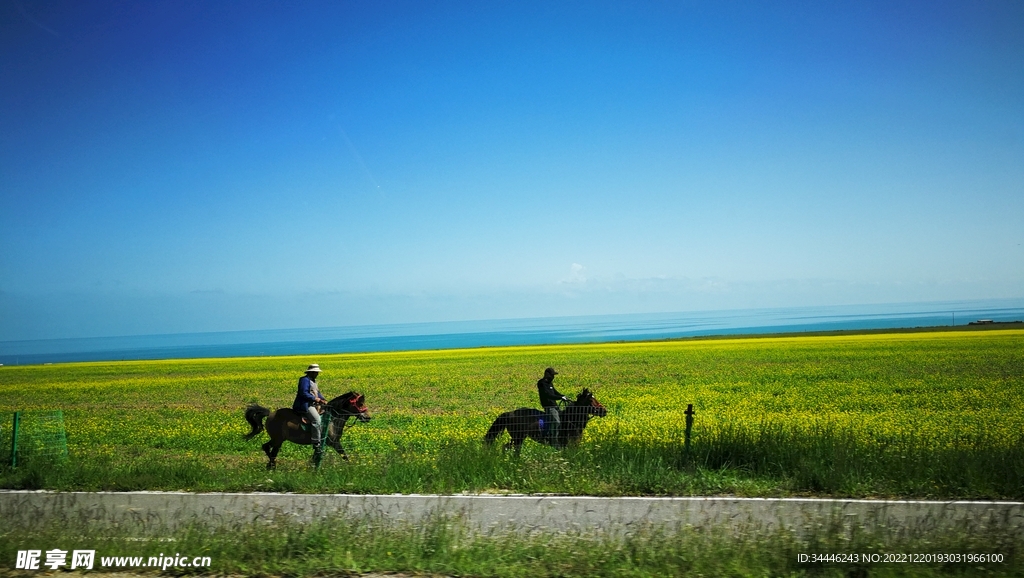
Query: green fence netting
[[33, 437]]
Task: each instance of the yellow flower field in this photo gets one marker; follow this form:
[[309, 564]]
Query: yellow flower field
[[940, 390]]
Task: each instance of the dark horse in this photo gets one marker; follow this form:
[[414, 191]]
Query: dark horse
[[525, 423], [285, 424]]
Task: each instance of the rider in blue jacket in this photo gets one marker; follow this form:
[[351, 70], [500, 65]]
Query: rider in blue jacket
[[306, 400]]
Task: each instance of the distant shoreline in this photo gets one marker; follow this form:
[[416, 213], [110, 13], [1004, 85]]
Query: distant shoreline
[[579, 330], [995, 325], [974, 326]]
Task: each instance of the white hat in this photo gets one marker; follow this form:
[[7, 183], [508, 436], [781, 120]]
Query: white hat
[[313, 367]]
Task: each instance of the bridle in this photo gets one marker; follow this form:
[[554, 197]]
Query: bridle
[[355, 402]]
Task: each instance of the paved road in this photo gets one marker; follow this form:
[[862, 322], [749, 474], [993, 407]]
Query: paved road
[[153, 510]]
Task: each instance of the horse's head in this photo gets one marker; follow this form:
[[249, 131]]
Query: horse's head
[[587, 400], [351, 404]]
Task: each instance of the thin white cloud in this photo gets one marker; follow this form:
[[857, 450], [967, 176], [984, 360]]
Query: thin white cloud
[[576, 275]]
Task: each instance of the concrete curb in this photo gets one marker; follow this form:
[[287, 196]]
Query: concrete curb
[[490, 513]]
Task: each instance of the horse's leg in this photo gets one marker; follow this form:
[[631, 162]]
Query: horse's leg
[[518, 438], [336, 444], [273, 454], [334, 437], [515, 442], [271, 450], [268, 448], [273, 446], [270, 442]]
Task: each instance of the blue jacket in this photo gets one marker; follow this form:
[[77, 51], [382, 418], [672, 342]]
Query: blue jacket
[[307, 394]]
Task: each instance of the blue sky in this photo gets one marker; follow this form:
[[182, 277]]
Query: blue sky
[[180, 167]]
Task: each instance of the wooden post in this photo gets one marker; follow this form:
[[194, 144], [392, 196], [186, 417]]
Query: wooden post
[[689, 426], [14, 440]]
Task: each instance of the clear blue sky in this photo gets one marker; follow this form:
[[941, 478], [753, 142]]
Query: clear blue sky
[[201, 166]]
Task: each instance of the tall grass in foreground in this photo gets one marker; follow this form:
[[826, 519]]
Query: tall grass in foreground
[[444, 546], [769, 460], [823, 458]]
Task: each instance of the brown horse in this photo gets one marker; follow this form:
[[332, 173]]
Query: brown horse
[[285, 424], [527, 422]]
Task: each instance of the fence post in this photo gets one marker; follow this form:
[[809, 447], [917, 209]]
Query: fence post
[[689, 426], [14, 440]]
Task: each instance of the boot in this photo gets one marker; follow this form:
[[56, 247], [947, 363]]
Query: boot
[[318, 455]]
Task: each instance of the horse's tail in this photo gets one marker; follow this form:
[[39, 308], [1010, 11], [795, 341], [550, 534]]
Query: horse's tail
[[497, 427], [254, 414]]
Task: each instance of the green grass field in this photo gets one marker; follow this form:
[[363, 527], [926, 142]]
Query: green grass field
[[444, 547], [936, 414]]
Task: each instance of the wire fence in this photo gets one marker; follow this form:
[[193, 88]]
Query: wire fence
[[34, 437], [392, 430]]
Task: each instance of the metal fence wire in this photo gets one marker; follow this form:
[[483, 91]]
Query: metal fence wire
[[36, 436]]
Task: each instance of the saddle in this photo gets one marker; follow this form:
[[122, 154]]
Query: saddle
[[320, 409]]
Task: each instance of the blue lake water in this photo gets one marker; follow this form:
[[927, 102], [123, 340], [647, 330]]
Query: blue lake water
[[447, 335]]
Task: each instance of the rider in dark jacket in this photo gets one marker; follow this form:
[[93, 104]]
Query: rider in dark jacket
[[549, 398]]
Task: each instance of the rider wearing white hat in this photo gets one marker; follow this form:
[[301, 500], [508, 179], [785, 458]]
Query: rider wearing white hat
[[306, 400]]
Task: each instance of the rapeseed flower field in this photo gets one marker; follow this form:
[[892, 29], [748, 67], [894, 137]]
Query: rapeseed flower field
[[921, 414]]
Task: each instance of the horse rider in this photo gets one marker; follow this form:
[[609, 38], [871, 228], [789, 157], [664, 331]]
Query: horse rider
[[549, 398], [306, 401]]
